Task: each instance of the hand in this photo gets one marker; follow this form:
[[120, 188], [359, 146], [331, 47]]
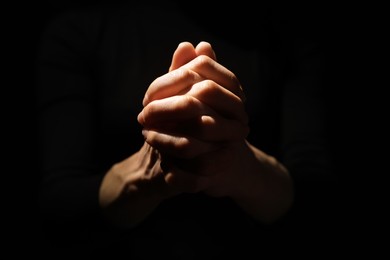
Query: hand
[[189, 114], [195, 116]]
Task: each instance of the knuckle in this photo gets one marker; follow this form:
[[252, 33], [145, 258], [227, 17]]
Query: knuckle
[[180, 73], [186, 103], [183, 74], [204, 88], [202, 60]]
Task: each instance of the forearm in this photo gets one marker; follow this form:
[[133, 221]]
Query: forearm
[[133, 188], [265, 189], [125, 204]]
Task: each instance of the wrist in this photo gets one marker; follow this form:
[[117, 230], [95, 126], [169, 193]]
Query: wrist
[[265, 188], [133, 188]]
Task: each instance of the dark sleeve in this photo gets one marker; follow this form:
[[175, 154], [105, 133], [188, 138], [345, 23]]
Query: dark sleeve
[[66, 96]]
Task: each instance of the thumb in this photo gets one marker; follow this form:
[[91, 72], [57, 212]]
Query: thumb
[[184, 53]]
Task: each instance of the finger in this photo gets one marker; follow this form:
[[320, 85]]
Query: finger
[[208, 68], [219, 99], [187, 115], [180, 80], [205, 128], [184, 53], [176, 108], [204, 48], [176, 82], [176, 145]]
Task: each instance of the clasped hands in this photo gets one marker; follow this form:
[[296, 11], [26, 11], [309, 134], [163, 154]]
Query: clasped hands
[[195, 128], [195, 117]]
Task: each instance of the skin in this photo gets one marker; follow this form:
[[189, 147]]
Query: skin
[[195, 129]]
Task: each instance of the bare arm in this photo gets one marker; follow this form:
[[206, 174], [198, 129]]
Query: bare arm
[[132, 189]]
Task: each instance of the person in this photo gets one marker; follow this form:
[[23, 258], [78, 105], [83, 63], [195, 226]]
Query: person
[[164, 134]]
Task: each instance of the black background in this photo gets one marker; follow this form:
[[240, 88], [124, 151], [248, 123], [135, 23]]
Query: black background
[[352, 40]]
